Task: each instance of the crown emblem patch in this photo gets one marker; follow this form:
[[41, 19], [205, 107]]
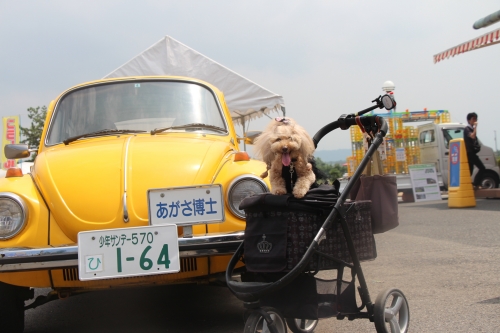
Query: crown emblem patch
[[264, 246]]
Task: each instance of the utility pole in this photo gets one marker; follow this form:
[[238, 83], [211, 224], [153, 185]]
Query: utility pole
[[496, 149]]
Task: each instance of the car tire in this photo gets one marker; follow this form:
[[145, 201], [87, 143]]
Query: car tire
[[12, 308], [408, 196], [489, 180]]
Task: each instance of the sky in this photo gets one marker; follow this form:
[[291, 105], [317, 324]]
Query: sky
[[325, 58]]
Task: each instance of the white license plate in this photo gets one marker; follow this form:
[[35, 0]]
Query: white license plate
[[186, 205], [124, 252]]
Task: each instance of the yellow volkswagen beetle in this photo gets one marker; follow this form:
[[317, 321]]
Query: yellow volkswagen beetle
[[137, 181]]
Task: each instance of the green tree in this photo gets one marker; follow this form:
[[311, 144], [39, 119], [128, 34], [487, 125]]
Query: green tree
[[333, 171], [337, 171], [33, 134]]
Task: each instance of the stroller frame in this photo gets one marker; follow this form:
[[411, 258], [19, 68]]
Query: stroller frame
[[251, 292]]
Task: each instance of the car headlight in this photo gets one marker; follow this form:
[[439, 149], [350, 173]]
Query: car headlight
[[13, 215], [242, 187]]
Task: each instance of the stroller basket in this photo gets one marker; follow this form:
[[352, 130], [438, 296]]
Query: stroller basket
[[309, 297], [277, 235]]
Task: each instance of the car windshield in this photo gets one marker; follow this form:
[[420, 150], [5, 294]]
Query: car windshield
[[135, 106], [452, 133]]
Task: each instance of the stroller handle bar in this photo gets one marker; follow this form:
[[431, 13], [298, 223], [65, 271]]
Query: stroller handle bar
[[368, 123]]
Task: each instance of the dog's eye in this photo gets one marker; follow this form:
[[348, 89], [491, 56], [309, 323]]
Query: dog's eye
[[278, 139]]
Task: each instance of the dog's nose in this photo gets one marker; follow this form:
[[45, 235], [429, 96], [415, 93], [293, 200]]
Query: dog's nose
[[284, 149]]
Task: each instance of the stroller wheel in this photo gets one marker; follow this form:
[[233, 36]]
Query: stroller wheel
[[391, 312], [301, 325], [256, 323]]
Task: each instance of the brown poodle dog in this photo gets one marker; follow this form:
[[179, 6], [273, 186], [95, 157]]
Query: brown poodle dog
[[286, 148]]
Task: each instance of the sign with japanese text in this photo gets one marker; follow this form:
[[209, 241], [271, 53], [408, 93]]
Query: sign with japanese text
[[10, 135], [455, 164], [382, 149], [424, 182], [400, 155], [186, 205]]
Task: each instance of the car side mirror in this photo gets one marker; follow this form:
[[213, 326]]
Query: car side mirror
[[250, 137], [14, 151]]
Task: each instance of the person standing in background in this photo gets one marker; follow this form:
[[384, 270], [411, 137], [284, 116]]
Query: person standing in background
[[472, 146]]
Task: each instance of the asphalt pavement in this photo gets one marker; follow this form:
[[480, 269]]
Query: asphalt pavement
[[446, 262]]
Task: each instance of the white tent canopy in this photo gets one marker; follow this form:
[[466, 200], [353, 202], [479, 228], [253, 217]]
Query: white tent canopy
[[246, 100]]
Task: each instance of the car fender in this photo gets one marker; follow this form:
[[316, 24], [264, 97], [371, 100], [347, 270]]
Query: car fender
[[228, 173], [36, 229]]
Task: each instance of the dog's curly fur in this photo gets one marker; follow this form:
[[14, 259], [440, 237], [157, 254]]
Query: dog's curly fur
[[285, 142]]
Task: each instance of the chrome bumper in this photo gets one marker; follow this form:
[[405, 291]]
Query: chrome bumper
[[24, 259]]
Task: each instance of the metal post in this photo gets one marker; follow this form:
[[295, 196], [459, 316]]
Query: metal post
[[496, 148], [244, 133], [487, 21]]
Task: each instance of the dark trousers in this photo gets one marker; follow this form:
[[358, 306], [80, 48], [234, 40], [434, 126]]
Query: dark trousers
[[475, 160]]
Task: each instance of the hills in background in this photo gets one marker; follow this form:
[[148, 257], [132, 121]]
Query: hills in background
[[333, 156], [327, 156]]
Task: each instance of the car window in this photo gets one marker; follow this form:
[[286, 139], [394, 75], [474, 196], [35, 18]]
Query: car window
[[452, 133], [133, 105], [427, 136]]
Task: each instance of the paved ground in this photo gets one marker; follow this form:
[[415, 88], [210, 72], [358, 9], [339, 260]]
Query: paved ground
[[446, 263], [444, 260]]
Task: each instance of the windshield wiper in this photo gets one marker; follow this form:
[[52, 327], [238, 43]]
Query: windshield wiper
[[193, 125], [99, 133]]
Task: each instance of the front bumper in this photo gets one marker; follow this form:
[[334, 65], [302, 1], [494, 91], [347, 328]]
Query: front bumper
[[25, 259]]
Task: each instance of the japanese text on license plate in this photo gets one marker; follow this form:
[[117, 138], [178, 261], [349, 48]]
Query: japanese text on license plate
[[128, 252], [186, 205]]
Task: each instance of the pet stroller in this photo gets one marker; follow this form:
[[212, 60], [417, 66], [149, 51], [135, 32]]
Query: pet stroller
[[318, 232]]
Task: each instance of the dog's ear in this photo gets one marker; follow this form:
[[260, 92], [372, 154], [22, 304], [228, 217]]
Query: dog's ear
[[262, 145], [307, 148]]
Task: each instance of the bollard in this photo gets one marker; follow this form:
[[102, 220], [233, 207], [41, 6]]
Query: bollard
[[460, 191]]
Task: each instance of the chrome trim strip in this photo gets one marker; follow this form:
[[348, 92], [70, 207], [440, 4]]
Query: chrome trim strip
[[125, 208], [17, 199], [24, 259], [34, 266], [218, 170]]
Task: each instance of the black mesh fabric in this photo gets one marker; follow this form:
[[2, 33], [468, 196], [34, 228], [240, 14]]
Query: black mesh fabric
[[279, 229]]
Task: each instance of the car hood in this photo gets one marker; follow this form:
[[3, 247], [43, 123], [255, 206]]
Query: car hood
[[87, 182]]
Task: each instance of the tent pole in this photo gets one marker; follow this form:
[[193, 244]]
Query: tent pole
[[244, 133]]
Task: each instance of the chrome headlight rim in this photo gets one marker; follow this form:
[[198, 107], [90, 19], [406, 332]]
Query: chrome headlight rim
[[24, 209], [235, 182]]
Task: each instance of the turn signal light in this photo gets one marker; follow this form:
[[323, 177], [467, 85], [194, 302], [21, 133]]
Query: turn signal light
[[241, 156], [14, 172]]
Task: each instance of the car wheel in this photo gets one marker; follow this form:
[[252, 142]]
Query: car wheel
[[11, 308], [489, 180], [408, 196]]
